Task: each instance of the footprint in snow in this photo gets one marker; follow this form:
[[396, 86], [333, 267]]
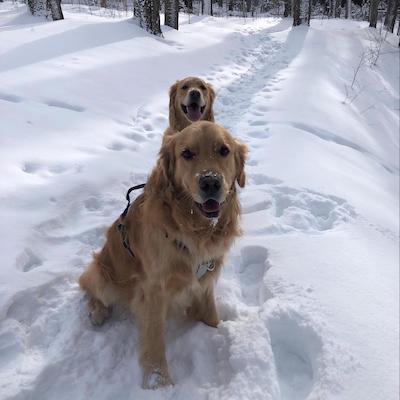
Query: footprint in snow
[[28, 260], [254, 266], [257, 123], [116, 146], [293, 210], [136, 137], [297, 349]]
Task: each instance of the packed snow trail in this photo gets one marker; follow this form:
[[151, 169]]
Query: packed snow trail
[[307, 296]]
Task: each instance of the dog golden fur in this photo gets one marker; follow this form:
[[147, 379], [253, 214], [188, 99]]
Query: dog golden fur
[[190, 100], [188, 215]]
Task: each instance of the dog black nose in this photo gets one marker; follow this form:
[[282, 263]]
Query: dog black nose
[[194, 95], [209, 185]]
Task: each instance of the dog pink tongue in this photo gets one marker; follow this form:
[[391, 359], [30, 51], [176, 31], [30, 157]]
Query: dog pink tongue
[[210, 206], [194, 113]]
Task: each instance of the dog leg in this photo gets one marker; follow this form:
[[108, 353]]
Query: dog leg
[[204, 309], [98, 312], [151, 318], [92, 282]]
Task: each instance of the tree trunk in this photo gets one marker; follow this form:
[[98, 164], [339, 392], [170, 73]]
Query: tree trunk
[[373, 13], [348, 9], [45, 8], [288, 8], [391, 14], [172, 13], [56, 11], [189, 6], [309, 12], [388, 12], [296, 12], [248, 6], [337, 9], [147, 13], [331, 8], [103, 3]]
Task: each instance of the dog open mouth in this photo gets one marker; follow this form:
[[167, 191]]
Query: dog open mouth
[[193, 111], [210, 208]]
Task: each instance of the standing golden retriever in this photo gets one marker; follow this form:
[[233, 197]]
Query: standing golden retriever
[[190, 100], [167, 251]]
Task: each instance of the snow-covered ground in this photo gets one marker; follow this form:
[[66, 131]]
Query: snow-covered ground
[[309, 295]]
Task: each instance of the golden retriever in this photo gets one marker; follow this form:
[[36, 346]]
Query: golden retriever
[[178, 230], [190, 100]]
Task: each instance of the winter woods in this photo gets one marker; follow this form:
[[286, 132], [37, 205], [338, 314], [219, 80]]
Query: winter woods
[[147, 12]]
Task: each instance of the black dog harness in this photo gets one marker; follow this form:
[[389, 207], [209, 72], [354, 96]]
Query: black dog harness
[[122, 227]]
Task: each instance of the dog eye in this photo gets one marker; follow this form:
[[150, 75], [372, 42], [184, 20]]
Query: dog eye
[[202, 87], [184, 87], [187, 154], [224, 151]]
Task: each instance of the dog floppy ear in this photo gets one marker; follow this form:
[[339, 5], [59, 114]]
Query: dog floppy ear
[[240, 158], [167, 158], [211, 95], [172, 111], [162, 176]]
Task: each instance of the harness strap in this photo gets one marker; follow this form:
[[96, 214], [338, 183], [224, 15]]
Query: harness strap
[[128, 198], [122, 227]]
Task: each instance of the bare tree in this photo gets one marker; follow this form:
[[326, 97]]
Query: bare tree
[[46, 8], [331, 8], [373, 13], [172, 13], [348, 9], [147, 13], [189, 6], [296, 12], [309, 12], [337, 9], [288, 8], [391, 14]]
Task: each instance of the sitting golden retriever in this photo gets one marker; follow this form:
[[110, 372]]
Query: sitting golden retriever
[[165, 253], [190, 100]]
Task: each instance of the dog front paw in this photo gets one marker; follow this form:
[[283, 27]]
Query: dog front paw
[[154, 378]]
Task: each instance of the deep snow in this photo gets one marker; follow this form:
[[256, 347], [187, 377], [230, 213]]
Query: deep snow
[[309, 294]]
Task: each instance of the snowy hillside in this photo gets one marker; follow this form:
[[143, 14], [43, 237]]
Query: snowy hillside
[[309, 294]]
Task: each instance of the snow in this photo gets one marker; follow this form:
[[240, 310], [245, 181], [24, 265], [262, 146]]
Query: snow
[[309, 294]]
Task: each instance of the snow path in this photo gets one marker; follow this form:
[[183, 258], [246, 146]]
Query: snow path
[[293, 291]]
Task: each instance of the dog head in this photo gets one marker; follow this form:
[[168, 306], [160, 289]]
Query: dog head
[[191, 100], [204, 161]]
